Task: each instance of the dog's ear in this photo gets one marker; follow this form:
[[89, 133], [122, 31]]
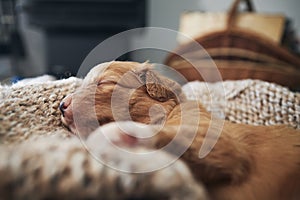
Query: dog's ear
[[158, 87]]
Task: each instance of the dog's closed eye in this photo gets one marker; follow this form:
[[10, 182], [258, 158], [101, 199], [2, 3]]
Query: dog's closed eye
[[101, 82]]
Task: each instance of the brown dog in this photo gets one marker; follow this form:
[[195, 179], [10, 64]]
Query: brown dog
[[247, 162]]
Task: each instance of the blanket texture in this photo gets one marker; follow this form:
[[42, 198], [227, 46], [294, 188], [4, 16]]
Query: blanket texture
[[40, 160], [248, 101], [31, 110]]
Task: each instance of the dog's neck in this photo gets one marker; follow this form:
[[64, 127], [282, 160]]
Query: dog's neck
[[152, 112], [188, 113], [170, 112]]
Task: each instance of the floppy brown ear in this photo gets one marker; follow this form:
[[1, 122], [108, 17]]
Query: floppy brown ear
[[159, 87]]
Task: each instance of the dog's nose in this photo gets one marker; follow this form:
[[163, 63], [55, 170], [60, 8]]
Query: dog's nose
[[63, 106]]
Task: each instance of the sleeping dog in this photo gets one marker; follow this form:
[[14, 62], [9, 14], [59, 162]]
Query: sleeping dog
[[246, 162]]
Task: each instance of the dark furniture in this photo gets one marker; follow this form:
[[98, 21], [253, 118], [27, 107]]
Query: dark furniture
[[72, 28]]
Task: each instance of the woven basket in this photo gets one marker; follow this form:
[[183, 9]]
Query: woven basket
[[239, 54]]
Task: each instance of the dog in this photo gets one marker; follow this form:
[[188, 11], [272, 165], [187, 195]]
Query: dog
[[246, 162]]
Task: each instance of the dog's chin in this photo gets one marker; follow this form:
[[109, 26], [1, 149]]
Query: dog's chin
[[69, 125], [81, 130], [73, 130]]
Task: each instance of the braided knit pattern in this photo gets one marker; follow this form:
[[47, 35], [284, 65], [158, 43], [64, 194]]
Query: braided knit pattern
[[32, 110], [39, 159], [252, 102]]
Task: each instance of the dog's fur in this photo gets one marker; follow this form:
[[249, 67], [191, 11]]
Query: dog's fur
[[247, 162]]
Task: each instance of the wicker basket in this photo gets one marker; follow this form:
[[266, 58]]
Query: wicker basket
[[239, 54]]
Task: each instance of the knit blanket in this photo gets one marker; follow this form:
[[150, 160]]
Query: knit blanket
[[39, 159], [252, 102]]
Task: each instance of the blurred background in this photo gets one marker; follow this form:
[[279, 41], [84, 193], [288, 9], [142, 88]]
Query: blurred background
[[54, 36]]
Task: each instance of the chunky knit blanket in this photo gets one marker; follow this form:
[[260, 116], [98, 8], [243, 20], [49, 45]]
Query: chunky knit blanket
[[248, 101], [31, 109], [40, 160]]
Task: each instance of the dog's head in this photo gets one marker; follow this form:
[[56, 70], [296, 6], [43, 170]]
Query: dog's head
[[120, 91]]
